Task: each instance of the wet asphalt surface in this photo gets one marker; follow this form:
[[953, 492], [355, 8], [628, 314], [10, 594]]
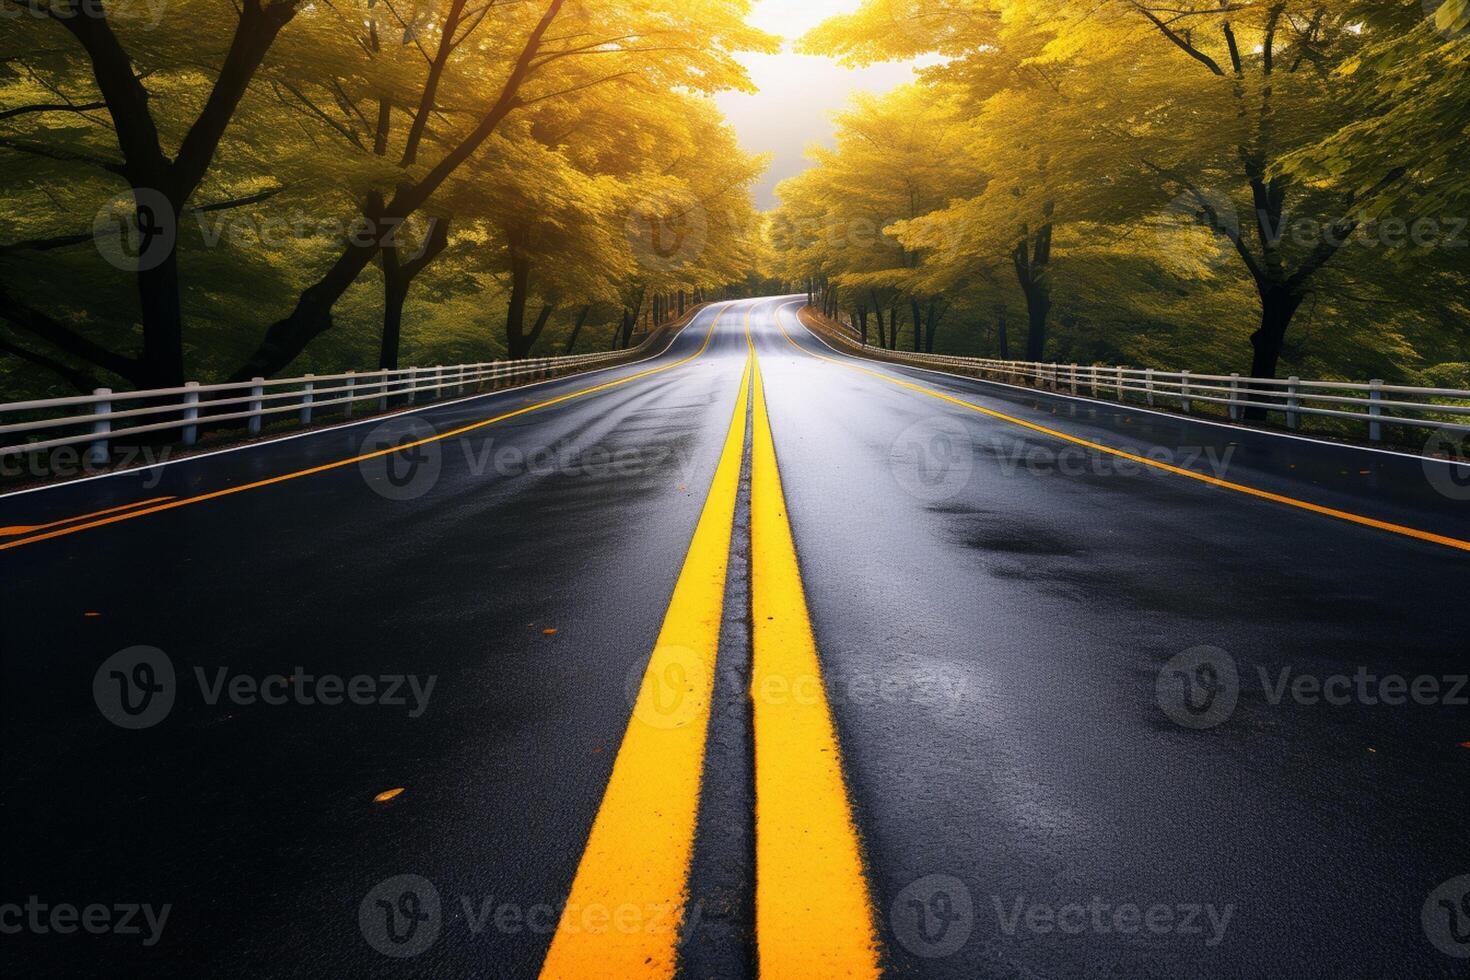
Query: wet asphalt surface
[[994, 619]]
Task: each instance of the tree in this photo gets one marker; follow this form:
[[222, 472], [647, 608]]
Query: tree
[[897, 158]]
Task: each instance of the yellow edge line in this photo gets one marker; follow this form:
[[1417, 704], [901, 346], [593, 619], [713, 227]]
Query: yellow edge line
[[814, 913], [627, 900], [32, 528], [338, 464], [1342, 515]]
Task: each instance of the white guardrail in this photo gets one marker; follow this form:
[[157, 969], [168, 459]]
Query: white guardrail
[[105, 415], [1374, 404]]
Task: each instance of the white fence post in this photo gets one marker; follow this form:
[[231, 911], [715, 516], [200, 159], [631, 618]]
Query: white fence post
[[351, 391], [1375, 410], [1094, 380], [383, 377], [191, 413], [1074, 379], [413, 383], [97, 454], [1184, 391], [1293, 402], [438, 382], [257, 396], [1235, 396], [1118, 381], [1148, 382], [306, 399]]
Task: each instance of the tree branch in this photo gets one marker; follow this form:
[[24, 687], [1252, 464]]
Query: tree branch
[[63, 338], [1180, 42], [82, 381], [52, 107]]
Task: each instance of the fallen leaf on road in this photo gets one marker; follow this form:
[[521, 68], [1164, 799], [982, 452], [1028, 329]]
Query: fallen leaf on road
[[548, 632], [387, 795]]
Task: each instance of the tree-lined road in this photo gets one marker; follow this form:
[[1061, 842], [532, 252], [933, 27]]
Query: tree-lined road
[[750, 655]]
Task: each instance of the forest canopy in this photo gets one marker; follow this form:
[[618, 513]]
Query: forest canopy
[[1225, 185], [204, 190]]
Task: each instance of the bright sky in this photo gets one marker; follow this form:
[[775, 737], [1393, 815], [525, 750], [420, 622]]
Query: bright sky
[[797, 93]]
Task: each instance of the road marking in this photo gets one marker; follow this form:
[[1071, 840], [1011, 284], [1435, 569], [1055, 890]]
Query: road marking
[[338, 464], [639, 851], [814, 915], [6, 532], [1342, 515]]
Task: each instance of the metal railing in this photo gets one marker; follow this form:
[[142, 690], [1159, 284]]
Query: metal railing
[[105, 415], [1371, 404]]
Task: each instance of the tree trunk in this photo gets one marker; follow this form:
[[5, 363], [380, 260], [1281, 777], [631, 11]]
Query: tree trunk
[[577, 328], [398, 279], [516, 345], [163, 323], [882, 328], [931, 324], [630, 318], [1032, 260], [1278, 305], [395, 295], [541, 320], [1002, 339], [1038, 308], [918, 324]]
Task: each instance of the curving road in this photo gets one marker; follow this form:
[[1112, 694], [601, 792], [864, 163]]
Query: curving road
[[751, 657]]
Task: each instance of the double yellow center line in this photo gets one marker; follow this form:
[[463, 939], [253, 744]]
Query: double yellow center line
[[814, 913]]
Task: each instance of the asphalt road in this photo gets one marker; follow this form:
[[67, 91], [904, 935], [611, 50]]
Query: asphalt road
[[1075, 700]]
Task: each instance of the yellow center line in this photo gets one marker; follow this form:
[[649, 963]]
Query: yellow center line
[[814, 913], [627, 901], [338, 464], [1342, 515], [13, 530]]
